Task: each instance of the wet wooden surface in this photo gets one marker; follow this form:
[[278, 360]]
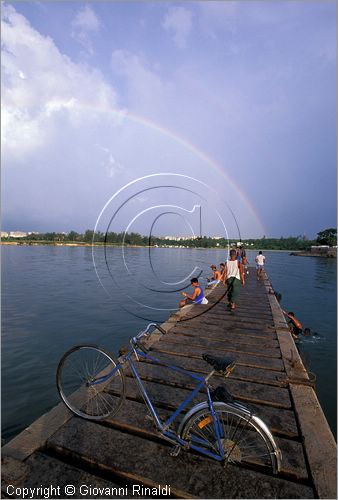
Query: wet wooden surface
[[126, 450]]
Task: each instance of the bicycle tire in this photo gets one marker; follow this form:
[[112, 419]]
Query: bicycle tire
[[81, 365], [245, 438]]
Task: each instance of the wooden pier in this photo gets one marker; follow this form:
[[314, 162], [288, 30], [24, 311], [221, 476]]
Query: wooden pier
[[111, 456]]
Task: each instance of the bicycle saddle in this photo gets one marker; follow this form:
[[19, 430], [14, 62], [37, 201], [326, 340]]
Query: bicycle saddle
[[219, 364]]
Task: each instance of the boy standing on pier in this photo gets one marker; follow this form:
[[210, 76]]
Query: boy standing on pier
[[234, 276], [260, 261]]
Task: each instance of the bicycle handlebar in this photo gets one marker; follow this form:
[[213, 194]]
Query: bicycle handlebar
[[146, 332]]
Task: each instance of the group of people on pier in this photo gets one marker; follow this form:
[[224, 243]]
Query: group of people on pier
[[231, 274]]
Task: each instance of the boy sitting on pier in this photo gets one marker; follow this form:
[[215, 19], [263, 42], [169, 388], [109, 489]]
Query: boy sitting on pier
[[197, 297], [223, 273], [216, 277]]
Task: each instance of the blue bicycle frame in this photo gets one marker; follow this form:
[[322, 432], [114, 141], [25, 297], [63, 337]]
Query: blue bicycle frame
[[164, 426]]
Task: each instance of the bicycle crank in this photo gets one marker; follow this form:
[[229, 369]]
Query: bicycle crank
[[175, 450]]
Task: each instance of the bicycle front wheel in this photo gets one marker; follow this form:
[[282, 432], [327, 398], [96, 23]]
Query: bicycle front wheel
[[244, 438], [90, 383]]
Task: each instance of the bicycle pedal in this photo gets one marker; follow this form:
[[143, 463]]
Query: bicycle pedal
[[175, 451]]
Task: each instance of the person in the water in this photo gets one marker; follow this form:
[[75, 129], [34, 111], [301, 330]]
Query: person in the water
[[308, 333], [197, 297], [294, 324]]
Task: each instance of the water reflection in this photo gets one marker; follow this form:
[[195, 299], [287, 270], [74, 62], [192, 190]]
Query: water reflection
[[53, 300]]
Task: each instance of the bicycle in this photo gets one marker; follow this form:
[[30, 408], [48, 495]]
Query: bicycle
[[92, 385]]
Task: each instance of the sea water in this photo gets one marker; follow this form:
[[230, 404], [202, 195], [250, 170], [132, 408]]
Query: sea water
[[54, 297]]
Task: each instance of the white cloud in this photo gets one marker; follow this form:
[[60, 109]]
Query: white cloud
[[178, 21], [109, 162], [85, 23], [42, 89], [216, 17], [147, 91]]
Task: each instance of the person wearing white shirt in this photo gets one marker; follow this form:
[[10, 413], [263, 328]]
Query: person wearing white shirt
[[233, 276], [260, 261]]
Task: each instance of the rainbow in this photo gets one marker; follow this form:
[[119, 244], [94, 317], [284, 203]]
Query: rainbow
[[140, 120]]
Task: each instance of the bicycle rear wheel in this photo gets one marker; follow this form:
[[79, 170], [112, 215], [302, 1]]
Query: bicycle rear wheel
[[75, 377], [244, 437]]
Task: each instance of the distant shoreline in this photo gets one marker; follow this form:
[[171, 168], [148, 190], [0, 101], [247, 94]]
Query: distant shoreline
[[84, 244], [332, 254]]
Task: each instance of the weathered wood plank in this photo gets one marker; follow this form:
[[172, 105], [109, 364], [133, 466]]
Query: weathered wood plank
[[279, 421], [248, 313], [215, 333], [133, 419], [206, 322], [248, 358], [54, 475], [225, 345], [247, 391], [151, 462], [34, 436], [169, 398], [320, 446], [226, 316], [230, 321], [222, 339], [240, 372]]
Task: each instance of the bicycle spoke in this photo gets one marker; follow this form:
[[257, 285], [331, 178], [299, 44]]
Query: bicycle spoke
[[95, 370], [240, 439], [81, 365]]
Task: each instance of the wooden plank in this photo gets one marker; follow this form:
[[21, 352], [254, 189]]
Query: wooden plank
[[54, 475], [240, 372], [320, 446], [222, 338], [281, 422], [243, 311], [246, 391], [245, 314], [248, 295], [169, 398], [227, 316], [225, 345], [230, 321], [34, 436], [292, 361], [215, 333], [110, 450], [206, 323], [247, 358], [293, 461], [133, 419]]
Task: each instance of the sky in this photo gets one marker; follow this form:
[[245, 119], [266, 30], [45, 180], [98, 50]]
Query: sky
[[225, 111]]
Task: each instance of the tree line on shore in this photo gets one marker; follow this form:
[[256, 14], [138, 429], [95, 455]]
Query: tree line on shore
[[326, 237]]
